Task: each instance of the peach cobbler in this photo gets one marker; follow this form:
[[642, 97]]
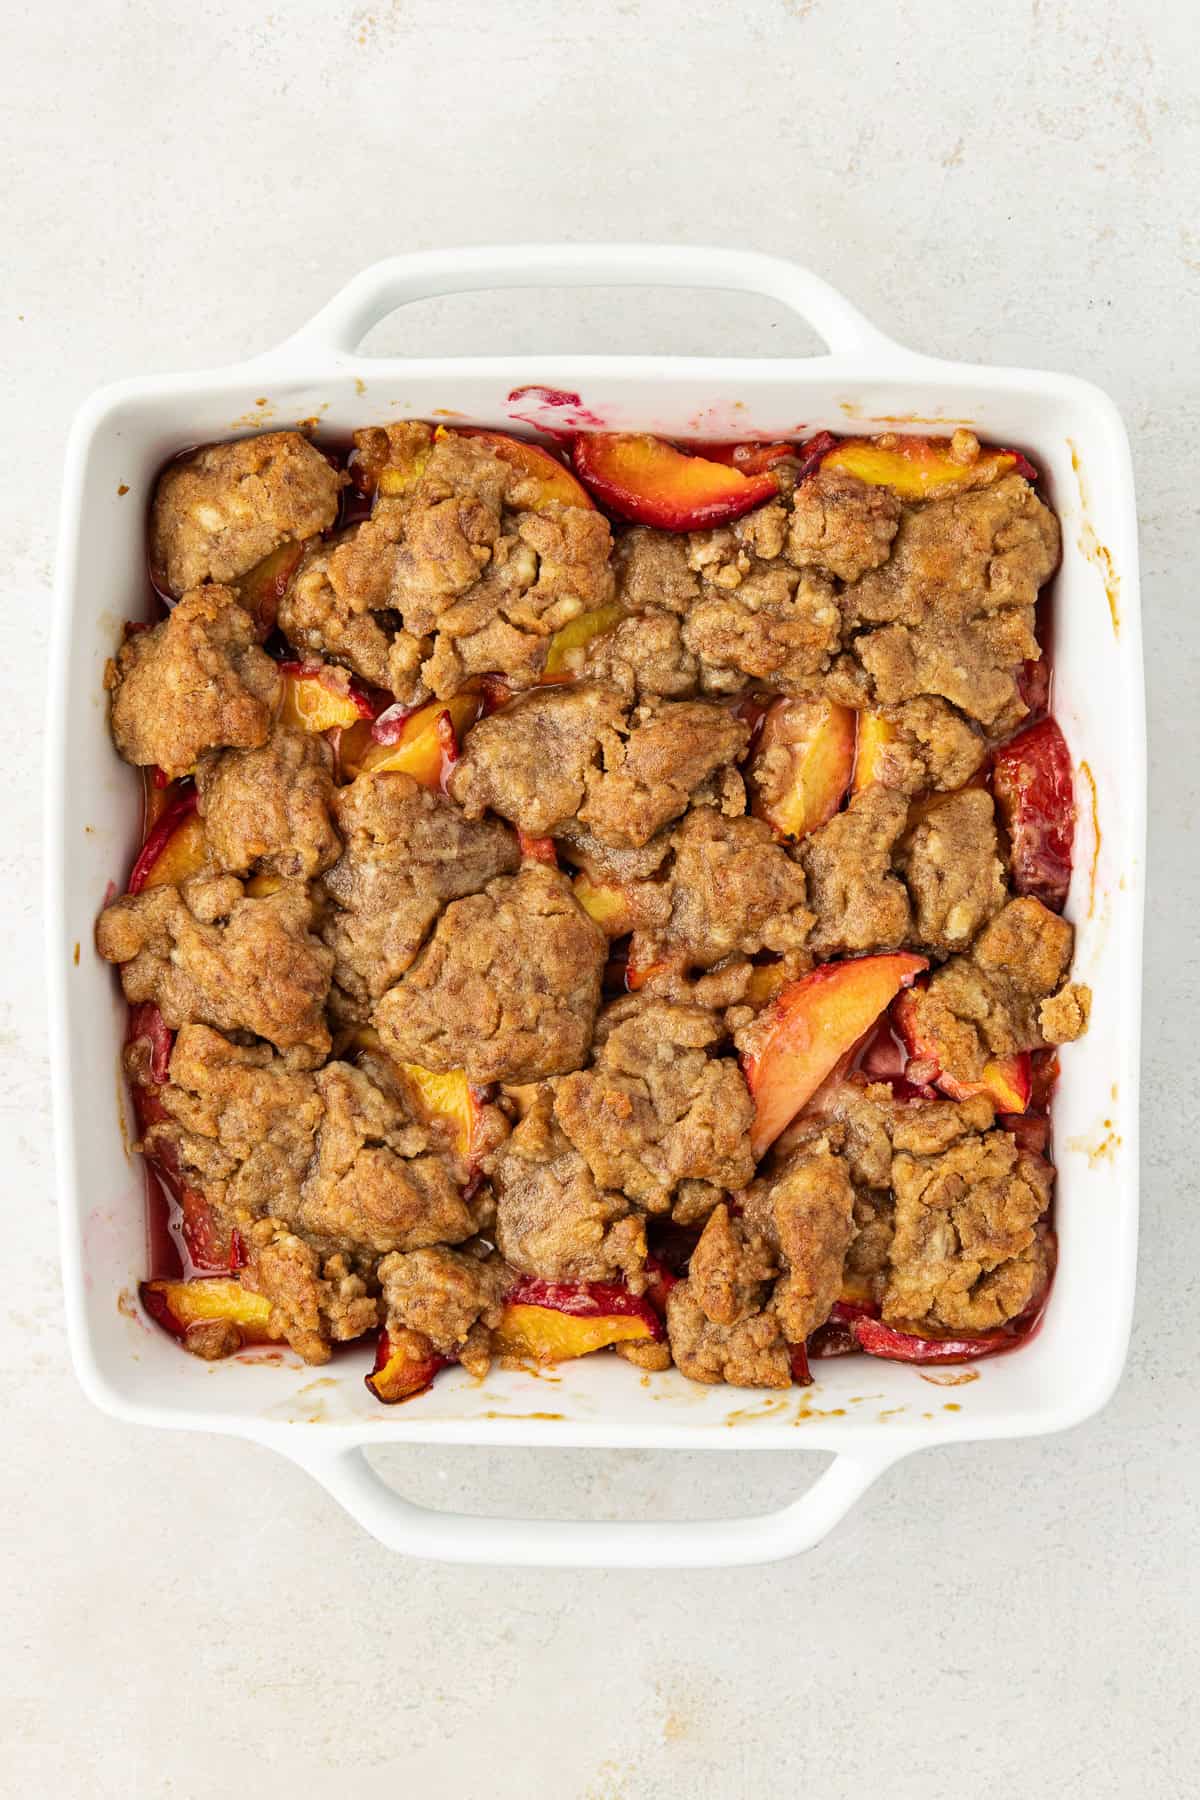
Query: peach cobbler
[[599, 895]]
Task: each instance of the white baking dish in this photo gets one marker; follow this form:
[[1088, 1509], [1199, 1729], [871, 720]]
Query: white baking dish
[[869, 1413]]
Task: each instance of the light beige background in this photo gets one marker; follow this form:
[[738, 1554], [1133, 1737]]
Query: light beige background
[[184, 184]]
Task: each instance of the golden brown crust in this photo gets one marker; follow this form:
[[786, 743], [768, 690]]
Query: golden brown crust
[[841, 524], [989, 1002], [950, 861], [269, 808], [551, 1218], [658, 1107], [507, 987], [221, 510], [859, 902], [407, 852], [208, 955], [951, 611], [198, 681]]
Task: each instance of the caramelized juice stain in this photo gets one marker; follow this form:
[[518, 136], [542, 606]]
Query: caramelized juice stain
[[1093, 549], [263, 413], [122, 489], [128, 1307], [951, 1406], [746, 1415], [919, 419], [539, 1371], [804, 1411], [948, 1377], [1086, 771], [1101, 1148], [75, 958], [528, 1415]]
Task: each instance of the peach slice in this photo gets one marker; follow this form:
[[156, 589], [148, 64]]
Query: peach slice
[[554, 1322], [750, 459], [261, 590], [174, 849], [401, 1371], [1033, 785], [179, 1305], [394, 478], [1007, 1080], [606, 903], [875, 733], [878, 1339], [317, 699], [538, 849], [564, 658], [922, 468], [802, 764], [659, 1282], [767, 982], [159, 794], [147, 1023], [646, 479], [802, 1035], [422, 743], [544, 480], [448, 1099], [836, 1336]]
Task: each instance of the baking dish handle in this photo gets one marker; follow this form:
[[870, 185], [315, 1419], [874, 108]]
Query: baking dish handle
[[593, 1544], [341, 325]]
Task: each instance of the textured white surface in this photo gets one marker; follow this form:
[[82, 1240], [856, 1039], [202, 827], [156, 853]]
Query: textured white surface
[[180, 1616]]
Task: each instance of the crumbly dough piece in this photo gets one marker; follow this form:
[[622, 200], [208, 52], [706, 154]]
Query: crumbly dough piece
[[408, 851], [336, 1156], [1006, 994], [531, 762], [950, 860], [935, 747], [721, 1322], [951, 612], [380, 1179], [841, 524], [860, 904], [653, 571], [339, 605], [966, 1254], [507, 988], [316, 1301], [198, 681], [733, 891], [453, 1298], [649, 773], [644, 657], [805, 1212], [207, 954], [551, 567], [576, 754], [551, 1218], [221, 510], [269, 808], [659, 1110]]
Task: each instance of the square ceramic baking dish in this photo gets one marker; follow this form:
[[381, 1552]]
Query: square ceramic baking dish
[[867, 1413]]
